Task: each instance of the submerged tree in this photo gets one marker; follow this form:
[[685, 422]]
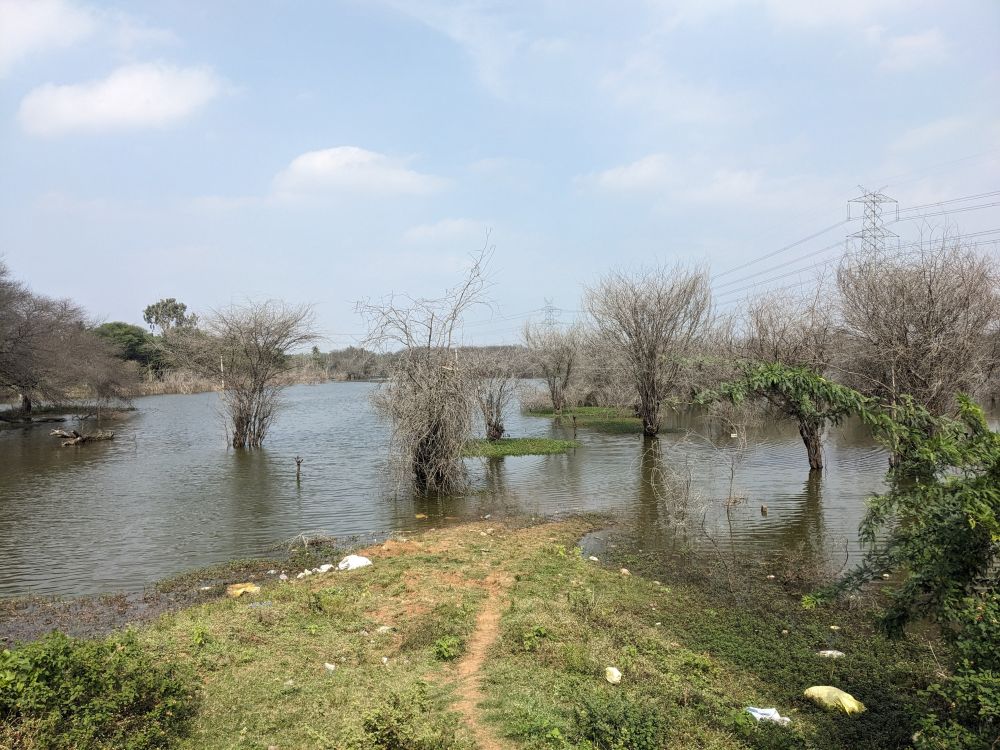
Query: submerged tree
[[650, 319], [246, 348], [813, 401], [494, 382], [922, 324], [428, 396], [554, 352]]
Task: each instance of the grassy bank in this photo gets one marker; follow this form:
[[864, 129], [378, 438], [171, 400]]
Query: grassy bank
[[496, 636], [518, 447], [605, 418]]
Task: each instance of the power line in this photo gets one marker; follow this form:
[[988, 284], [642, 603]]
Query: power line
[[952, 200], [782, 249]]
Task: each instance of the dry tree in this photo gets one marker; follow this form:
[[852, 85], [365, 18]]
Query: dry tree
[[921, 324], [553, 351], [651, 318], [428, 395], [494, 378], [245, 348]]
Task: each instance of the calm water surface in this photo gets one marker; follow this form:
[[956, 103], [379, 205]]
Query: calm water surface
[[166, 495]]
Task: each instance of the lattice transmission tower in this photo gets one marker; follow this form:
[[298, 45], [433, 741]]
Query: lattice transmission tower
[[873, 234]]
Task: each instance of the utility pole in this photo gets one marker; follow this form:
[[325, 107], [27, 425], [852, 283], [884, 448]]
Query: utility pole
[[873, 233]]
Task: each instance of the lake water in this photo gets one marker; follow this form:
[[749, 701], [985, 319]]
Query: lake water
[[167, 495]]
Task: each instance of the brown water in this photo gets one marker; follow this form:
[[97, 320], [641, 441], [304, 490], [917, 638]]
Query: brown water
[[166, 495]]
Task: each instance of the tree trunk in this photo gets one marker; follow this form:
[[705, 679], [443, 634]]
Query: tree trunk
[[649, 412], [25, 403], [494, 430], [812, 436]]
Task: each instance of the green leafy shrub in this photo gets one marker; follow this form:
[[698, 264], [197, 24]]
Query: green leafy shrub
[[66, 693], [410, 721], [447, 648], [613, 721]]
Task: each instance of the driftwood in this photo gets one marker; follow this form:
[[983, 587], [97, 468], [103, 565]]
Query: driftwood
[[72, 437]]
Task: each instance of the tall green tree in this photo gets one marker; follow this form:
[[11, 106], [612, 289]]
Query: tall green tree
[[167, 314]]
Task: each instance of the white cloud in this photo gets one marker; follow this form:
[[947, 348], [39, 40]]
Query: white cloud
[[914, 50], [446, 230], [28, 27], [352, 169], [648, 173], [818, 14], [133, 96]]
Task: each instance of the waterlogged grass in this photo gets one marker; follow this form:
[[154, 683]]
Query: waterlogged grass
[[603, 418], [395, 634], [527, 446]]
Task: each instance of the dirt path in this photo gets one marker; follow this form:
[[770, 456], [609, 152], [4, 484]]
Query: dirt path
[[485, 634]]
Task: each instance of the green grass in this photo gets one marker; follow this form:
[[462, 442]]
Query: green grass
[[692, 657], [603, 418], [527, 446]]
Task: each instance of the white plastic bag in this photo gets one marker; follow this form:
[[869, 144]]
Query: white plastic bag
[[353, 562]]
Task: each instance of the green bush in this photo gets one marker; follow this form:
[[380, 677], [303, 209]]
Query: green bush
[[409, 721], [613, 721], [65, 693], [447, 648]]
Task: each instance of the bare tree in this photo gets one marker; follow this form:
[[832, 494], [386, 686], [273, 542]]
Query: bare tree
[[554, 352], [47, 348], [793, 330], [428, 395], [650, 318], [494, 378], [921, 324], [246, 348]]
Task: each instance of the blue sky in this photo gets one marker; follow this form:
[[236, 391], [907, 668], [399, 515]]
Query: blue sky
[[326, 152]]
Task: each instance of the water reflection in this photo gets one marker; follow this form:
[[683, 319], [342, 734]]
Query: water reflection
[[167, 494]]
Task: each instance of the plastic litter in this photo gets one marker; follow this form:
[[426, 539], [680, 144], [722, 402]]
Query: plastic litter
[[835, 698], [326, 567], [830, 653], [593, 559], [329, 667], [625, 572], [237, 590], [353, 562], [612, 675], [768, 714]]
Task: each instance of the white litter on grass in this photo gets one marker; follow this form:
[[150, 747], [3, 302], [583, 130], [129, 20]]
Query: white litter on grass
[[830, 653], [330, 667], [593, 559], [282, 577], [612, 675], [768, 714], [326, 567], [353, 562]]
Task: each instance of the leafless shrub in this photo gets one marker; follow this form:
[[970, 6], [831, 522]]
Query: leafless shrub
[[428, 396], [794, 330], [494, 380], [921, 323], [245, 347], [554, 352], [650, 319]]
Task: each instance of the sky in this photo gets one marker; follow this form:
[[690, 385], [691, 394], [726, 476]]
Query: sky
[[340, 150]]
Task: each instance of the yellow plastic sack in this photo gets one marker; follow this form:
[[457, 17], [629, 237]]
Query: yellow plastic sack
[[238, 589], [831, 697]]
